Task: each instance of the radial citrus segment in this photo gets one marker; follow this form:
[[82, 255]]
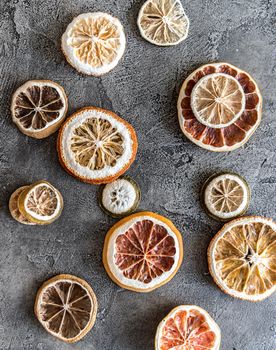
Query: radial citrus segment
[[13, 207]]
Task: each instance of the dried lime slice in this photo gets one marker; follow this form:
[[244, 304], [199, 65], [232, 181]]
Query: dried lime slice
[[225, 196], [13, 207], [121, 197]]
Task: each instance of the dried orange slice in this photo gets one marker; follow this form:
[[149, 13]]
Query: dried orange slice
[[66, 306], [142, 252], [163, 22], [13, 207], [96, 146], [94, 43], [188, 327], [219, 107], [39, 107], [242, 258], [225, 196], [40, 203]]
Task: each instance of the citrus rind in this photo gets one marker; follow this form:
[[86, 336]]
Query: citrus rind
[[13, 207]]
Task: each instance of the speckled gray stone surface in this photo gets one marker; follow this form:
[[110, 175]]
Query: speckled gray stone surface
[[143, 89]]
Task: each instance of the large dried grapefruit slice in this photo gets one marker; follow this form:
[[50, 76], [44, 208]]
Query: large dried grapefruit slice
[[96, 146], [163, 22], [242, 258], [94, 43], [39, 107], [142, 251], [187, 327], [13, 207], [41, 203], [66, 306], [219, 107]]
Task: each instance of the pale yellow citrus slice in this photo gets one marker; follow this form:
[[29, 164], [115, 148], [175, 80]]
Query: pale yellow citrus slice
[[142, 252], [96, 146], [163, 22], [66, 306], [188, 327], [226, 196], [13, 207], [39, 107], [41, 203], [94, 43], [242, 258]]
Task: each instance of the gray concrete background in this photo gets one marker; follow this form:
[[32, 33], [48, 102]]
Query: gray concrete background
[[143, 89]]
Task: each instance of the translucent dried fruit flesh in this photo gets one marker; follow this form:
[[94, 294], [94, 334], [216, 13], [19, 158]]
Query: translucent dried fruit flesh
[[163, 22], [244, 259], [14, 210]]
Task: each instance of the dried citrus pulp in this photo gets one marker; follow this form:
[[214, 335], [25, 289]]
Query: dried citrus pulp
[[142, 251], [39, 107], [120, 197], [226, 196], [187, 327], [13, 207], [163, 22], [40, 203], [94, 43], [66, 306], [242, 258], [219, 107], [96, 146]]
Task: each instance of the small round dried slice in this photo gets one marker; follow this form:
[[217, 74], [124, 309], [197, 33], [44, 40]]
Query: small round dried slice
[[120, 197], [13, 207], [188, 327], [163, 22], [96, 146], [242, 258], [39, 107], [142, 252], [40, 203], [94, 43], [66, 306], [225, 196]]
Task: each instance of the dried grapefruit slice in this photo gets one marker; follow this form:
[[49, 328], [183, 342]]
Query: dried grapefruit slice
[[96, 146], [39, 107], [219, 107], [163, 22], [242, 258], [66, 306], [225, 196], [41, 203], [142, 252], [13, 207], [188, 327], [94, 43]]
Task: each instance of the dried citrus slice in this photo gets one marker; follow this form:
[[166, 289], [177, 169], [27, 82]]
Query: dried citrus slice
[[242, 258], [187, 327], [219, 107], [41, 203], [94, 43], [13, 207], [142, 251], [120, 197], [39, 107], [96, 146], [163, 22], [225, 196], [66, 306]]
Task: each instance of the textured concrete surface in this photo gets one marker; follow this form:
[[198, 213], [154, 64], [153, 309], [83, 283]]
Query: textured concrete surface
[[170, 170]]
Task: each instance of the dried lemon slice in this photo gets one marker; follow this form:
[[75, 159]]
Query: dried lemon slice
[[96, 146], [242, 258], [39, 107], [94, 43], [120, 197], [163, 22], [13, 207], [41, 203], [66, 306], [225, 196], [188, 327]]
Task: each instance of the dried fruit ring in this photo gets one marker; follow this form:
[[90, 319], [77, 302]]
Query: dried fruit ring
[[13, 207]]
